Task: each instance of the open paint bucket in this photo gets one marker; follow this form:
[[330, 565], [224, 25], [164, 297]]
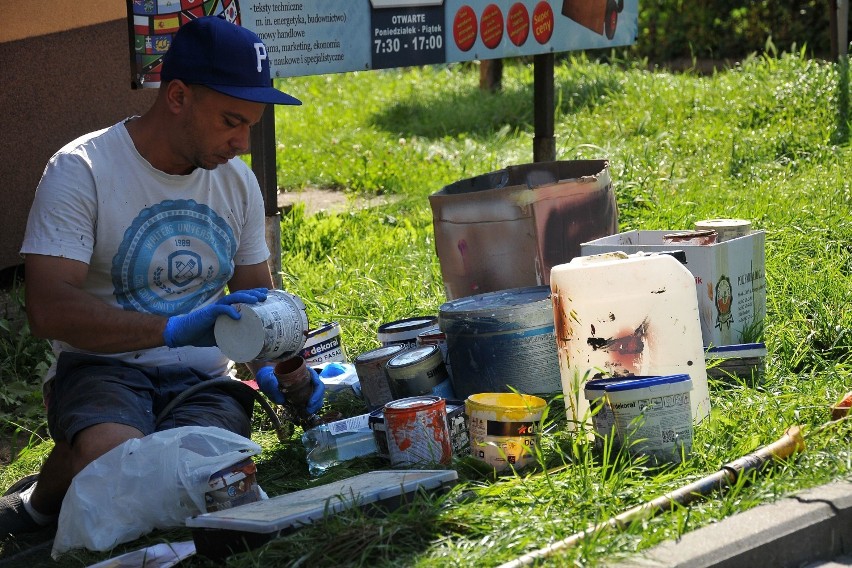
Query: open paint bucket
[[268, 330], [653, 416], [501, 341], [504, 428]]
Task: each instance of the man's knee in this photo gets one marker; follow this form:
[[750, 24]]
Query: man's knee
[[94, 441]]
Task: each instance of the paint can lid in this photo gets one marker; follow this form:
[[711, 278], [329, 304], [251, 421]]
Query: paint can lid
[[504, 310], [634, 382], [405, 328], [329, 326], [412, 403], [600, 384], [381, 353], [414, 356]]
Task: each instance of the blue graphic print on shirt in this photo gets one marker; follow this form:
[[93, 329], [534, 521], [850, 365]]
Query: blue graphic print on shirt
[[174, 256]]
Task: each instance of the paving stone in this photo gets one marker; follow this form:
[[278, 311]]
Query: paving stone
[[811, 526]]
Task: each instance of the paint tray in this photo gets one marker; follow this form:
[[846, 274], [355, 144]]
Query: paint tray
[[229, 531]]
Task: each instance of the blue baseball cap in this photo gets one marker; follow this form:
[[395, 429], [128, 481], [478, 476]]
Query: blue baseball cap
[[225, 57]]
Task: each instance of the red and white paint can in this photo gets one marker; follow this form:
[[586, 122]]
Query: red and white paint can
[[417, 432]]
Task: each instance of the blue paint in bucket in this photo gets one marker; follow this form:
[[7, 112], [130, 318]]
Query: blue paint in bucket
[[501, 341]]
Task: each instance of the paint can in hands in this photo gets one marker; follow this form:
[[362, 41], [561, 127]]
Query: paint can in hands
[[270, 330]]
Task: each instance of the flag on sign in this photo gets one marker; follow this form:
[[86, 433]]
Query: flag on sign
[[166, 24], [141, 25], [168, 6], [191, 14]]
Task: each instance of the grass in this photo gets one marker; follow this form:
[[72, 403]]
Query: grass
[[765, 140]]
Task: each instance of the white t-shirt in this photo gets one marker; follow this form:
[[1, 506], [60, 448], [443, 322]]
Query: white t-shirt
[[154, 242]]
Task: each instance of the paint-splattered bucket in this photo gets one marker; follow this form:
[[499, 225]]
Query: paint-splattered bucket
[[232, 486], [373, 376], [405, 331], [268, 330], [502, 340], [323, 345], [653, 416], [417, 432], [419, 371], [504, 428], [456, 422]]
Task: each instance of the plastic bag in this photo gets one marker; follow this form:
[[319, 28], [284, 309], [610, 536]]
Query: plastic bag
[[148, 483]]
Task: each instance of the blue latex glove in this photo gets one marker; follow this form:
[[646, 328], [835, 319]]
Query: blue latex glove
[[318, 396], [268, 384], [196, 327]]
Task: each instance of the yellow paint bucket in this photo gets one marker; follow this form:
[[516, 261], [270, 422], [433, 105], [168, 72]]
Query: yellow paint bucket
[[504, 428]]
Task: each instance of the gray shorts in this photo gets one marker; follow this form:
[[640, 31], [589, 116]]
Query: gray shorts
[[89, 390]]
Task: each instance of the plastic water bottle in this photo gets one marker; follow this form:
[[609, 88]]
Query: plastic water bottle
[[335, 442]]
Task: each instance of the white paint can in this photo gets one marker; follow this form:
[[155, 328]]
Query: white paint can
[[405, 331], [268, 330], [323, 345], [603, 420], [653, 416]]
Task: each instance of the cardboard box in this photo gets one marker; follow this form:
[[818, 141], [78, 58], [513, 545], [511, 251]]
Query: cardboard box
[[730, 280], [506, 229]]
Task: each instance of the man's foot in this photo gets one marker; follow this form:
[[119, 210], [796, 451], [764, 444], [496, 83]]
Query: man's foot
[[14, 518]]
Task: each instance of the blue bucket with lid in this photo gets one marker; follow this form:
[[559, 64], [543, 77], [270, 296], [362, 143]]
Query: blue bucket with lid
[[653, 415]]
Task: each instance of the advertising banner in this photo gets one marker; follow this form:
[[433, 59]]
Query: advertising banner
[[316, 37]]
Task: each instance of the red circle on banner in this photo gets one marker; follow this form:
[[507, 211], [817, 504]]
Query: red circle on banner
[[518, 24], [491, 26], [542, 22], [464, 28]]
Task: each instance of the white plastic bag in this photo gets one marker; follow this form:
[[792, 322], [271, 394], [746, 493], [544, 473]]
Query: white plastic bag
[[148, 483]]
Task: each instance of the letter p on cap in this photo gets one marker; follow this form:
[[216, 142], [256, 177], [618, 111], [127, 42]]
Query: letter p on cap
[[260, 50]]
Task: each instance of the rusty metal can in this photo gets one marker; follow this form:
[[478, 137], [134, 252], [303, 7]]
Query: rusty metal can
[[417, 432], [373, 376], [707, 237], [419, 371]]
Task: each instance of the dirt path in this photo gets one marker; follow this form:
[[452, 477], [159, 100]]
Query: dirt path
[[317, 200]]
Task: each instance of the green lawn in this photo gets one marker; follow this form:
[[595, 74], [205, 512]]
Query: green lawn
[[766, 141]]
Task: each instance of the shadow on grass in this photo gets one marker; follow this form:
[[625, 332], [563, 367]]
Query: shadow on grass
[[480, 113]]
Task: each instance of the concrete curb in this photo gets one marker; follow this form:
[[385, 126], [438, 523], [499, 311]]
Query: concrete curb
[[812, 528]]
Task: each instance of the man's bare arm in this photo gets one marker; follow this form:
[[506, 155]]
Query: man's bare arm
[[58, 308]]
